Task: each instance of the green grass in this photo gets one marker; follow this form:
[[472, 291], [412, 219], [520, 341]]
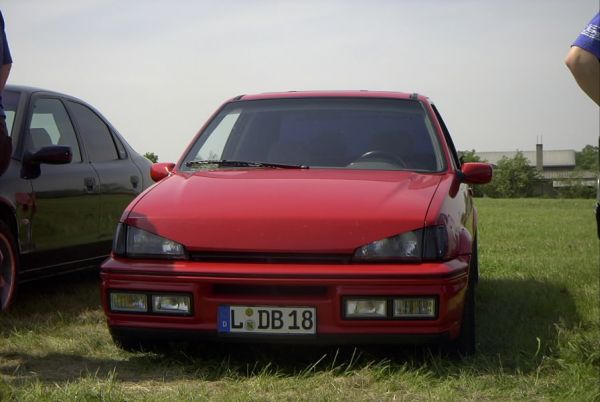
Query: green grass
[[538, 327]]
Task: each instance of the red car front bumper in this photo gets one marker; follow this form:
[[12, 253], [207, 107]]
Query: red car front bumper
[[323, 287]]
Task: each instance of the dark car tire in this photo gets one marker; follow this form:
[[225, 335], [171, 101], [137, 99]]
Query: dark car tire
[[9, 262], [127, 343], [133, 344], [474, 267], [464, 344]]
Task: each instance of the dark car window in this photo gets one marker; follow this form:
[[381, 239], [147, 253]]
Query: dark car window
[[50, 125], [120, 148], [96, 135], [349, 133], [10, 101], [449, 141]]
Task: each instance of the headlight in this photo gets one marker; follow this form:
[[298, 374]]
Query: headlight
[[390, 308], [430, 243], [128, 302], [403, 246], [171, 304], [365, 308], [125, 301], [415, 307], [137, 243]]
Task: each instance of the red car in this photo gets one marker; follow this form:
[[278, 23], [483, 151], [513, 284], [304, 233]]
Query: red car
[[337, 217]]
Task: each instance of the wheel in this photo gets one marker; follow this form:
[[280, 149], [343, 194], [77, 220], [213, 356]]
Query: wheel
[[382, 155], [475, 262], [464, 344], [127, 343], [133, 344], [9, 261]]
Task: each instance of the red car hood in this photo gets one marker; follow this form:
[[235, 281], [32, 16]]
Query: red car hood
[[276, 210]]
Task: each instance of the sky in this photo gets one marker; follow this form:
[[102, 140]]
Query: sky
[[157, 70]]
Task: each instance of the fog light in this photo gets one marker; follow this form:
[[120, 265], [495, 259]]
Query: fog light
[[415, 307], [130, 302], [171, 304], [366, 308]]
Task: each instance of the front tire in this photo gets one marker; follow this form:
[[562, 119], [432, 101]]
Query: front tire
[[131, 343], [127, 343], [464, 344], [9, 261]]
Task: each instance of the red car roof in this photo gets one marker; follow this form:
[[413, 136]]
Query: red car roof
[[332, 94]]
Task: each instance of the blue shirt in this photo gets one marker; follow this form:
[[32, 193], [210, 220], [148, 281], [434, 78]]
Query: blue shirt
[[5, 56], [589, 38]]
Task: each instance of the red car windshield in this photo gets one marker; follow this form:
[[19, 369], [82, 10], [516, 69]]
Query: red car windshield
[[340, 133]]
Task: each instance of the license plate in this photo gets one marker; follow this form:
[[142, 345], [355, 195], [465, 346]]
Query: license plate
[[267, 320]]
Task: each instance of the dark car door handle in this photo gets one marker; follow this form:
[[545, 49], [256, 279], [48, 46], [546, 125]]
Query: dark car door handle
[[134, 181], [90, 183]]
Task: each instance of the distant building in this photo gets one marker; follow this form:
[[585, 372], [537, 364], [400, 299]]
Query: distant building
[[555, 166]]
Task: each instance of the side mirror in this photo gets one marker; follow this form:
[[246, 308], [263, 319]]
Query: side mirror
[[159, 171], [476, 173], [52, 155]]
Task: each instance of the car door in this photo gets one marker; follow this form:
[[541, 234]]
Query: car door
[[120, 180], [66, 205]]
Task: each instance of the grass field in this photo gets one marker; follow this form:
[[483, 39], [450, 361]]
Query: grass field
[[538, 335]]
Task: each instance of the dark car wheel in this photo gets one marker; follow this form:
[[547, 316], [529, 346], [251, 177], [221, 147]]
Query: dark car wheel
[[464, 344], [8, 267], [133, 344], [127, 343]]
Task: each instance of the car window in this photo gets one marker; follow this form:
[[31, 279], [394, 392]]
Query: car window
[[215, 143], [95, 133], [10, 101], [453, 153], [50, 125], [341, 133], [120, 147]]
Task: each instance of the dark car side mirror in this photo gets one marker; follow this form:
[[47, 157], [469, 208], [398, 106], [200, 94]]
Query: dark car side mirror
[[51, 155], [476, 173], [159, 171]]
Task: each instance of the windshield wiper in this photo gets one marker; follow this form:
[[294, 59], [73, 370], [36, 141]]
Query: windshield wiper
[[223, 162]]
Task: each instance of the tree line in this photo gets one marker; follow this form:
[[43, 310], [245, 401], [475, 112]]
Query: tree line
[[516, 178]]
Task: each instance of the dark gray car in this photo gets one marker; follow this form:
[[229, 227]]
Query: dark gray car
[[70, 177]]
